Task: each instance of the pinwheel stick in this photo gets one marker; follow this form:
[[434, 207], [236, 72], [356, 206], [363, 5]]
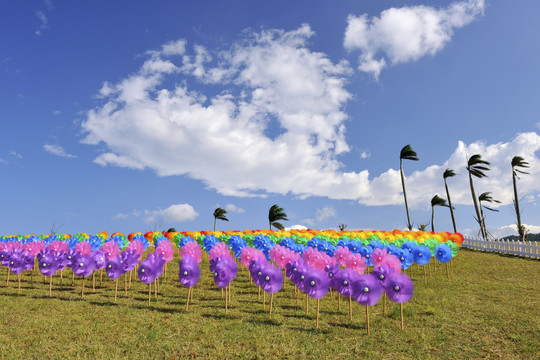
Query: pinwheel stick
[[264, 299], [19, 291], [82, 291], [317, 321], [115, 289], [187, 302], [50, 286], [32, 278], [93, 281], [226, 308], [425, 279], [384, 304], [73, 279], [125, 284], [401, 310], [149, 293], [61, 277], [271, 301], [339, 301], [367, 318], [100, 277], [350, 307], [8, 271], [307, 303]]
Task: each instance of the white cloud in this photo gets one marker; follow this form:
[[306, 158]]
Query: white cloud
[[172, 214], [502, 231], [295, 227], [324, 213], [44, 22], [365, 155], [177, 47], [234, 209], [120, 216], [222, 139], [57, 150], [406, 34], [2, 161], [14, 153], [57, 112]]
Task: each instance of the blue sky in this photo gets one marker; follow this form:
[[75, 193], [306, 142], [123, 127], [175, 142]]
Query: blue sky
[[131, 116]]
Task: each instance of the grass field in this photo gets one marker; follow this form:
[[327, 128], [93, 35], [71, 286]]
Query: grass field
[[489, 309]]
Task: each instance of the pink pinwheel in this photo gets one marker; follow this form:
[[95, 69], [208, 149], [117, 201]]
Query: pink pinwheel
[[248, 254], [33, 248], [392, 262], [312, 257], [219, 250], [323, 261], [166, 249], [192, 249], [58, 246], [137, 246], [377, 256], [357, 263], [83, 248], [342, 254], [110, 249], [278, 254]]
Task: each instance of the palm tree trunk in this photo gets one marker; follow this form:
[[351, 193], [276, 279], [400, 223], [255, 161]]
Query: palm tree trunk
[[483, 222], [405, 195], [432, 218], [518, 214], [215, 219], [476, 208], [450, 205]]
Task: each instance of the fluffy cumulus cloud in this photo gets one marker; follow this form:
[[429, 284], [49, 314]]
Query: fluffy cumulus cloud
[[266, 117], [234, 209], [173, 214], [406, 34], [57, 150], [422, 185]]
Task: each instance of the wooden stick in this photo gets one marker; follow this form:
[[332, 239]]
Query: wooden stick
[[401, 310], [73, 279], [50, 286], [317, 321], [230, 284], [149, 293], [19, 291], [367, 318], [156, 287], [115, 289], [425, 279], [350, 307], [226, 309], [264, 299], [271, 301], [187, 302], [384, 305], [100, 277], [82, 291], [32, 277], [125, 284], [8, 271], [339, 301], [306, 303], [61, 277]]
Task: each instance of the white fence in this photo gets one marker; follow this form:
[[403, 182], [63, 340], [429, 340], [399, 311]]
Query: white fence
[[510, 247]]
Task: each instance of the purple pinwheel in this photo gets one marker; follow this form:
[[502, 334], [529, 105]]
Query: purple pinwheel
[[271, 278], [189, 272], [99, 259], [342, 281], [189, 275], [130, 259], [224, 272], [399, 288], [382, 271], [47, 263], [316, 284], [83, 265], [4, 257], [255, 267], [16, 262], [149, 269], [114, 267], [331, 270], [367, 289]]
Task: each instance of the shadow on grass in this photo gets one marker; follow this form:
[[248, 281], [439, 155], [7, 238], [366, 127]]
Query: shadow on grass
[[313, 330], [266, 321], [349, 325], [221, 316]]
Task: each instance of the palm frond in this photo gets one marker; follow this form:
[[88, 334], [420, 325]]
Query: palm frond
[[438, 201], [220, 213], [448, 173], [407, 153]]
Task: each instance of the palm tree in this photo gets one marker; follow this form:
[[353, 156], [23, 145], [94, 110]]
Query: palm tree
[[436, 201], [219, 213], [476, 167], [407, 153], [342, 227], [449, 173], [274, 215], [486, 197], [518, 161]]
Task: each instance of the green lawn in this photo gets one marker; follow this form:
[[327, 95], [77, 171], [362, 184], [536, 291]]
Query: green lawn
[[489, 309]]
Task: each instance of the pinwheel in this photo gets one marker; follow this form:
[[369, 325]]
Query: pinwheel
[[443, 253], [357, 263], [83, 248], [316, 285], [83, 266], [381, 272], [342, 254], [149, 270], [16, 265], [130, 259], [166, 250], [47, 265], [400, 289], [422, 256], [110, 249], [189, 274], [367, 290], [99, 262], [4, 260], [191, 249], [377, 256], [271, 281], [224, 270], [58, 246], [342, 282], [114, 269]]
